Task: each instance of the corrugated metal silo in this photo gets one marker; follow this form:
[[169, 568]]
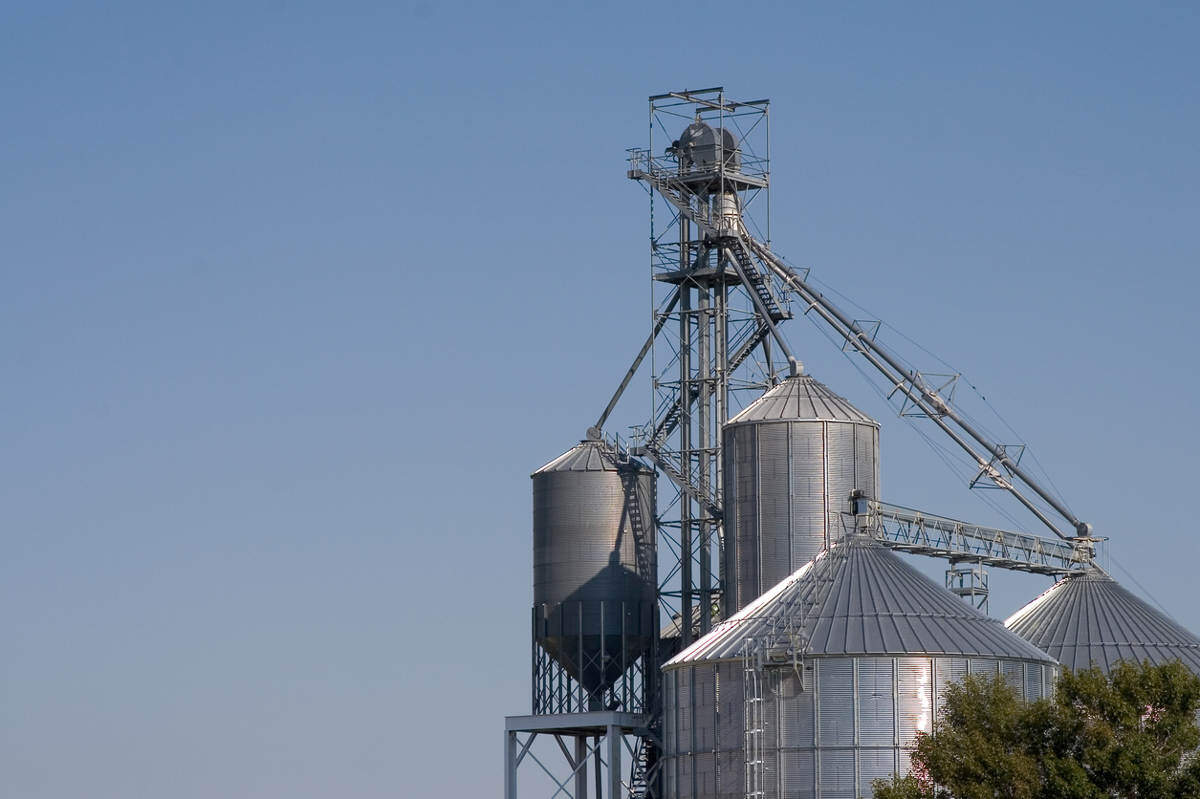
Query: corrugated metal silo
[[594, 565], [1089, 618], [880, 643], [791, 460]]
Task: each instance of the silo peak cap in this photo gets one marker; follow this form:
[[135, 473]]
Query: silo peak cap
[[1089, 617], [590, 455], [801, 398], [858, 598]]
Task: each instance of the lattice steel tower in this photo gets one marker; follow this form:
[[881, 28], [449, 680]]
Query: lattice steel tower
[[707, 171]]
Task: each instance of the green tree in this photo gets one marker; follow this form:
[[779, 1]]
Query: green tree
[[1131, 734]]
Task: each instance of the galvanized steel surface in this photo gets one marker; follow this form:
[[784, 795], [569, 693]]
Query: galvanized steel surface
[[1090, 618], [874, 603], [791, 460], [593, 528], [594, 562], [592, 456], [853, 720], [801, 397]]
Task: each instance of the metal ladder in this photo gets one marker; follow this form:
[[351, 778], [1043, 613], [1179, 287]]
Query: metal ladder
[[638, 524], [789, 627], [752, 712]]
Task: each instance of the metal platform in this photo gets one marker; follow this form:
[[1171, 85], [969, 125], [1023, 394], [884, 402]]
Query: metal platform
[[598, 735]]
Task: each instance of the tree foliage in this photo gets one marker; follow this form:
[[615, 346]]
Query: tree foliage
[[1130, 734]]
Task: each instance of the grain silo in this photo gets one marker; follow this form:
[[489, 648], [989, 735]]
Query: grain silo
[[594, 571], [1090, 619], [822, 684], [792, 459]]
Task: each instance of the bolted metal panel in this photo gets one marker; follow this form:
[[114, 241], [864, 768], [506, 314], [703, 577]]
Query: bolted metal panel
[[798, 772], [704, 701], [741, 555], [876, 702], [837, 774], [731, 708], [771, 774], [835, 714], [670, 714], [594, 564], [866, 460], [983, 667], [1014, 675], [948, 671], [808, 490], [670, 726], [1033, 682], [683, 707], [735, 496], [730, 731], [774, 529], [730, 780], [706, 774], [841, 480], [874, 764], [914, 698], [1089, 618], [795, 716], [686, 776]]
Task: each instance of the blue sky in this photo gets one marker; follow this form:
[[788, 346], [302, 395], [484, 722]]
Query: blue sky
[[295, 298]]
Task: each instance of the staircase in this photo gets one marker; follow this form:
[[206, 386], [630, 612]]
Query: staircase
[[701, 492], [639, 781], [758, 282]]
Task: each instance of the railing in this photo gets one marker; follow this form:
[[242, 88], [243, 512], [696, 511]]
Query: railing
[[937, 536], [642, 160]]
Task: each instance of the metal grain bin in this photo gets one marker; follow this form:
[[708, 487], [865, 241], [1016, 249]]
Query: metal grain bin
[[594, 570], [829, 677], [1089, 618], [791, 460]]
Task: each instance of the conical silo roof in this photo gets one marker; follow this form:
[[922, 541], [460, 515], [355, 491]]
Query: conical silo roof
[[801, 397], [591, 456], [858, 598], [1090, 618]]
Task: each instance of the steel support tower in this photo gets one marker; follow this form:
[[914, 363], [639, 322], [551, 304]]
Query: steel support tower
[[706, 171], [713, 315]]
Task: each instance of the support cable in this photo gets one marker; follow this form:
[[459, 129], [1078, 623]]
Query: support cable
[[923, 397], [975, 389]]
